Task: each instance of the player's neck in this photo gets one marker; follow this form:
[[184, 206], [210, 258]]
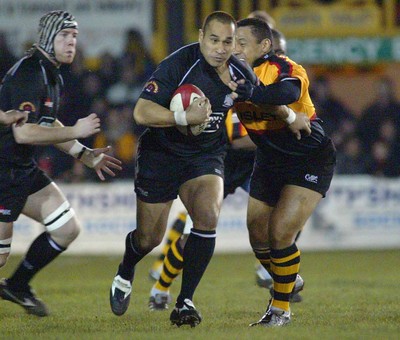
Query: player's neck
[[223, 72], [52, 60]]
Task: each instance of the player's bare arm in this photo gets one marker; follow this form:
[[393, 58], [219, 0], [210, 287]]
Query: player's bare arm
[[13, 116], [97, 159], [148, 113], [44, 135], [298, 122]]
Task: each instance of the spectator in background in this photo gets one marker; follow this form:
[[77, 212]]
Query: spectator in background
[[109, 69], [263, 16], [127, 89], [351, 160], [384, 107], [333, 113], [381, 164], [7, 58], [385, 151], [278, 42], [137, 55], [118, 132], [378, 129]]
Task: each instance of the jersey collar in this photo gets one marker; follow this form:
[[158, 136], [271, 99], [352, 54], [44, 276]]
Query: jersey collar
[[263, 59]]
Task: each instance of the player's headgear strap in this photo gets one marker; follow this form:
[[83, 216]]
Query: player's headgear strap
[[50, 24]]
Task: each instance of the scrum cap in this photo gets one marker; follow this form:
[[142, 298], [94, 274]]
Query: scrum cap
[[50, 24]]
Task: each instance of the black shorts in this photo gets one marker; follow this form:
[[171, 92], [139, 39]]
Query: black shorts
[[160, 174], [314, 172], [16, 185], [238, 168]]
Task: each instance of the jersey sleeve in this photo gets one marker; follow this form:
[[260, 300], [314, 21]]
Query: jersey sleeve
[[165, 80], [296, 72], [23, 90]]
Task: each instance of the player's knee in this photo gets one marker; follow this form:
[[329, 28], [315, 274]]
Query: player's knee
[[3, 259], [207, 221], [62, 225], [281, 237], [73, 231], [258, 235], [147, 243], [65, 235], [5, 249]]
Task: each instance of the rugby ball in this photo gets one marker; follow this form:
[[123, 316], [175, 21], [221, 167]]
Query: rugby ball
[[181, 99]]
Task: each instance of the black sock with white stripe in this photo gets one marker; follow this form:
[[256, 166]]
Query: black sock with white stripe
[[197, 254], [42, 251], [132, 256]]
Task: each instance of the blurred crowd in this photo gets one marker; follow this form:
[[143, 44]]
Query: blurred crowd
[[366, 143]]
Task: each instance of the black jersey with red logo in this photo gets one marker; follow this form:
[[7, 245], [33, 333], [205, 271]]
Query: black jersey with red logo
[[188, 66], [33, 84]]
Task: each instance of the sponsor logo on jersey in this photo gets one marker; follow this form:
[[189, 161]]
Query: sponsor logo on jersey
[[228, 102], [48, 103], [27, 106], [4, 211], [311, 178], [151, 87]]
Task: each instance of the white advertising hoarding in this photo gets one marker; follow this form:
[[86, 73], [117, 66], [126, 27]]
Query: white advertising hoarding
[[358, 212]]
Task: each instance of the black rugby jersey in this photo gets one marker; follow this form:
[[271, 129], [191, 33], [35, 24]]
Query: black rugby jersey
[[188, 66], [33, 84]]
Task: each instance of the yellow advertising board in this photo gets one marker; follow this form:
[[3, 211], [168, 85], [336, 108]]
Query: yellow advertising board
[[338, 20]]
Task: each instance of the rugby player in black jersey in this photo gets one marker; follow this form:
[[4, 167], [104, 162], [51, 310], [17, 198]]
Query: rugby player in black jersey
[[34, 84], [170, 163]]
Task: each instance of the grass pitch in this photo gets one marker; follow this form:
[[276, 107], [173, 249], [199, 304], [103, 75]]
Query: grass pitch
[[347, 295]]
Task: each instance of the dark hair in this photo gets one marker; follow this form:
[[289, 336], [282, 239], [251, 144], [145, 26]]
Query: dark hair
[[259, 28], [277, 37], [220, 16]]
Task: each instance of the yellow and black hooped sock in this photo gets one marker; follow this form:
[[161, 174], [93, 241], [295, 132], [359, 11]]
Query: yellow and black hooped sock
[[264, 256], [172, 266], [285, 264], [174, 234]]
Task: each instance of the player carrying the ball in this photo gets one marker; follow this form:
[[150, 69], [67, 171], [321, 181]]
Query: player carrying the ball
[[170, 163]]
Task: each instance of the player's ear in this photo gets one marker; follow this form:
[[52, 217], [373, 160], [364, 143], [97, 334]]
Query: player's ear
[[266, 45], [201, 35]]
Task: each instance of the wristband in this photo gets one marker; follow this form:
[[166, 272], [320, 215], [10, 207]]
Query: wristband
[[291, 117], [81, 153], [180, 118], [77, 150]]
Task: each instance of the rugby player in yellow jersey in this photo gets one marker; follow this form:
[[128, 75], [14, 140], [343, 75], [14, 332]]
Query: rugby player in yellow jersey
[[290, 175]]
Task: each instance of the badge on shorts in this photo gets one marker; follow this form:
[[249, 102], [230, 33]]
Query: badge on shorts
[[27, 106], [151, 87]]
